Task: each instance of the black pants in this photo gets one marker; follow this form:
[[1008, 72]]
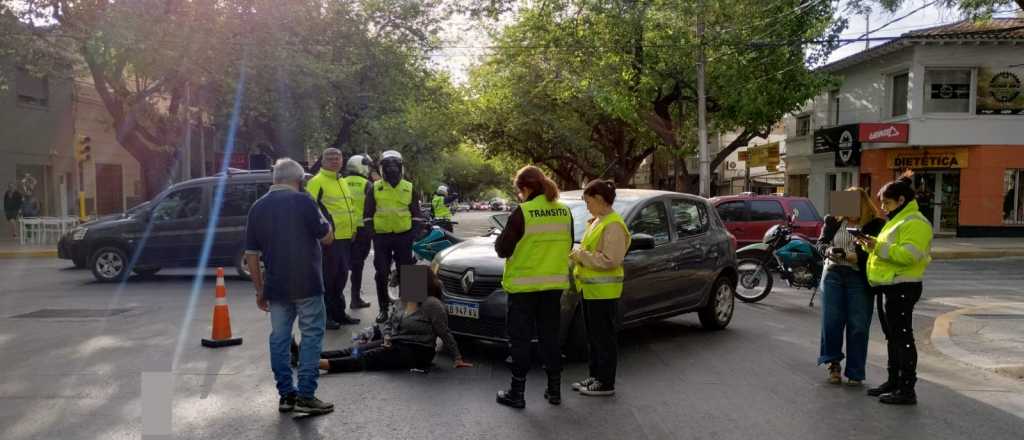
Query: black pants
[[374, 356], [336, 263], [602, 316], [389, 249], [899, 330], [528, 311], [360, 250]]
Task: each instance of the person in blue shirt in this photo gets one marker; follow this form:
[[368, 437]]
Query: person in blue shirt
[[285, 230]]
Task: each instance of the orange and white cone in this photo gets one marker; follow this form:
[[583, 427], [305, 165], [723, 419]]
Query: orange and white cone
[[221, 318]]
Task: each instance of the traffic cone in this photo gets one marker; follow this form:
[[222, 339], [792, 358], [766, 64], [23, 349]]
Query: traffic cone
[[221, 318]]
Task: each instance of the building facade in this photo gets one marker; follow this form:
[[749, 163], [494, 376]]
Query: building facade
[[946, 103]]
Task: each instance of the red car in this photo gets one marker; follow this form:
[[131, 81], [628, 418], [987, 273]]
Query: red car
[[748, 216]]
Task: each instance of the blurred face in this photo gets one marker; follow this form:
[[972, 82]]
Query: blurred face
[[332, 161], [890, 205], [392, 170], [595, 204]]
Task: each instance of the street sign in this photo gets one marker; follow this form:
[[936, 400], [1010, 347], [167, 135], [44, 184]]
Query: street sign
[[763, 155]]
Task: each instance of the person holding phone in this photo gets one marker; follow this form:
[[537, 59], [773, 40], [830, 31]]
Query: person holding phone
[[846, 297], [897, 261], [408, 338]]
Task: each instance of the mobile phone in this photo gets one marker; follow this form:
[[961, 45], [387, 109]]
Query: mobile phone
[[856, 232]]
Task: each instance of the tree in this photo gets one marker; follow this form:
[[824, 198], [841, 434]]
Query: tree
[[317, 72], [589, 86], [974, 9], [467, 170]]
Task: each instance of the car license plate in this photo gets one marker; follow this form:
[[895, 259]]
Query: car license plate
[[463, 309]]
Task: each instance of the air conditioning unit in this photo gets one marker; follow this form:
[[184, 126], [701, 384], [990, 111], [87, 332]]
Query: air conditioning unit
[[730, 165]]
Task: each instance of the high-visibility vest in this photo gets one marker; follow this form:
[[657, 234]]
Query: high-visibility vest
[[903, 249], [597, 283], [541, 258], [393, 215], [441, 210], [357, 187], [327, 187]]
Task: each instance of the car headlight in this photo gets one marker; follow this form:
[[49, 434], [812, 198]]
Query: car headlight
[[79, 233], [435, 265]]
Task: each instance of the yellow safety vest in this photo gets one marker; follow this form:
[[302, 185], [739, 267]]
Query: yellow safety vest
[[357, 187], [596, 283], [440, 209], [541, 258], [393, 215], [338, 201], [903, 249]]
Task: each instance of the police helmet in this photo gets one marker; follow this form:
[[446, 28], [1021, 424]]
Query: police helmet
[[358, 165]]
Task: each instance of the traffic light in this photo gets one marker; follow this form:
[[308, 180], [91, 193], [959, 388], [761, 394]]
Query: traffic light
[[83, 149]]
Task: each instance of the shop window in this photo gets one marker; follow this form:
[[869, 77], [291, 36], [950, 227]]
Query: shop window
[[947, 91], [803, 125], [833, 107], [1013, 197], [900, 88], [32, 90]]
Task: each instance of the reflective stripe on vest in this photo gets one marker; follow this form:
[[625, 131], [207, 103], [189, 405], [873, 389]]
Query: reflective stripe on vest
[[393, 215], [541, 258], [440, 209], [357, 187], [597, 284], [338, 201]]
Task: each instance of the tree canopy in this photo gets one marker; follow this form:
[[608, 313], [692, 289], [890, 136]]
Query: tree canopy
[[591, 88]]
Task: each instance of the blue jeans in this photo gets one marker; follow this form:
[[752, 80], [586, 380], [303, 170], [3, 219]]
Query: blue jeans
[[846, 308], [310, 312]]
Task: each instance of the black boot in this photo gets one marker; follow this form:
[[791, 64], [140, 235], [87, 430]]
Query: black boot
[[554, 391], [514, 397], [382, 317], [889, 386], [905, 395]]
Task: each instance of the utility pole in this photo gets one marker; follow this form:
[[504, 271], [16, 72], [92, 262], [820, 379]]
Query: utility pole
[[702, 127], [186, 156], [867, 31]]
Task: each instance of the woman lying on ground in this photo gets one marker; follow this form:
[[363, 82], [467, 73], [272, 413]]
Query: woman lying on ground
[[408, 340]]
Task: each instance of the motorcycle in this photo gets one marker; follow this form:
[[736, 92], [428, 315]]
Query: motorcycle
[[801, 265], [433, 239]]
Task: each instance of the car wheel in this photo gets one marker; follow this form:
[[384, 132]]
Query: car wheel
[[717, 314], [146, 271], [109, 264], [575, 346]]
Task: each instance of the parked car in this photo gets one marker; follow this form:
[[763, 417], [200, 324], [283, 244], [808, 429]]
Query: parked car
[[748, 216], [463, 207], [498, 205], [169, 230], [681, 260]]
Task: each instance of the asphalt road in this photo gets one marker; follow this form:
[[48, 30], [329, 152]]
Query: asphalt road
[[70, 378]]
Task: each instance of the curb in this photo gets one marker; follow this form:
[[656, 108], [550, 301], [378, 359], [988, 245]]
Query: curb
[[27, 254], [940, 339], [970, 255]]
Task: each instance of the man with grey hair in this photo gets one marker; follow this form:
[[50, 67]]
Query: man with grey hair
[[329, 189], [285, 230]]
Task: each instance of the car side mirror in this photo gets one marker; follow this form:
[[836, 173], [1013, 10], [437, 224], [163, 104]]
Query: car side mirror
[[641, 242]]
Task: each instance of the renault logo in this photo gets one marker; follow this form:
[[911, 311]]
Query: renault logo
[[467, 281]]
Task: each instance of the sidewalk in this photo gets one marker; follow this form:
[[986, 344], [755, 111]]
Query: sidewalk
[[989, 337], [13, 249], [953, 248]]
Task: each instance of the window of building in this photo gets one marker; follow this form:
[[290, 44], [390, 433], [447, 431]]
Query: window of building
[[653, 221], [833, 107], [947, 91], [766, 210], [32, 90], [803, 125], [1013, 197], [900, 89]]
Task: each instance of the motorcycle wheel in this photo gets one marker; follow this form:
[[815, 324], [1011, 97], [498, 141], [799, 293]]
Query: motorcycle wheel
[[755, 280]]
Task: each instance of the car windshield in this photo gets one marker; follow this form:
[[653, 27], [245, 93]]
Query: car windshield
[[580, 215]]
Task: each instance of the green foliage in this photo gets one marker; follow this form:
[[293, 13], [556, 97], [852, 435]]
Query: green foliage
[[975, 9], [590, 88]]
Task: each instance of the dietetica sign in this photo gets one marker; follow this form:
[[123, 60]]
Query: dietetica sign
[[928, 159]]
